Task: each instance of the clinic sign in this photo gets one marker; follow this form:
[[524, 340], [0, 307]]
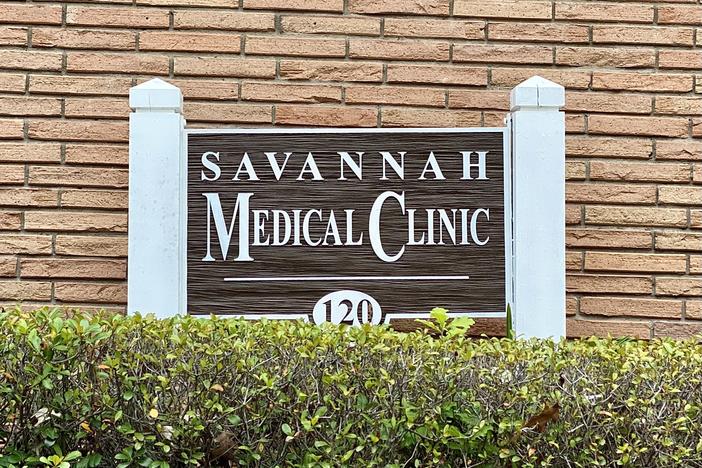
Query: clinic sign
[[345, 225]]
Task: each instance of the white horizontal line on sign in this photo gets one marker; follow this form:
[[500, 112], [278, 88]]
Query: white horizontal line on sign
[[205, 131], [350, 278]]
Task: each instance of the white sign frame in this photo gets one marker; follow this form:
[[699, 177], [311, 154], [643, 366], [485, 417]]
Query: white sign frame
[[534, 142]]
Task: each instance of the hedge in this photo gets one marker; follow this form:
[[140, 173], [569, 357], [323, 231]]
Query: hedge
[[136, 391]]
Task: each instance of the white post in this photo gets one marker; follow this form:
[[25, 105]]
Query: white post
[[157, 185], [538, 204]]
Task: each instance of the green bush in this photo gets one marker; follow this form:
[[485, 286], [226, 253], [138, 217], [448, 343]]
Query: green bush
[[136, 391]]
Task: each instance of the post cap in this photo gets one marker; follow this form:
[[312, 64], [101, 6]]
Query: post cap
[[156, 95], [537, 92]]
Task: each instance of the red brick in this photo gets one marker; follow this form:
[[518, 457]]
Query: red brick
[[97, 154], [261, 91], [12, 82], [26, 106], [326, 116], [79, 130], [78, 176], [608, 102], [677, 330], [29, 197], [510, 77], [609, 284], [666, 240], [392, 117], [223, 20], [235, 112], [91, 246], [539, 32], [678, 105], [576, 170], [639, 172], [331, 71], [10, 220], [679, 286], [525, 54], [642, 82], [640, 126], [12, 36], [102, 199], [399, 49], [678, 14], [571, 305], [608, 238], [635, 262], [30, 152], [642, 35], [83, 39], [96, 108], [437, 74], [72, 268], [693, 309], [695, 264], [224, 66], [25, 290], [91, 85], [696, 127], [493, 119], [696, 219], [207, 89], [90, 292], [395, 95], [633, 194], [479, 99], [682, 59], [117, 17], [404, 27], [578, 328], [75, 221], [187, 3], [31, 14], [11, 129], [12, 174], [574, 261], [680, 195], [611, 12], [630, 216], [189, 42], [410, 7], [26, 244], [575, 123], [679, 149], [633, 307], [30, 60], [293, 46], [619, 57], [117, 63], [336, 6], [331, 25], [521, 9]]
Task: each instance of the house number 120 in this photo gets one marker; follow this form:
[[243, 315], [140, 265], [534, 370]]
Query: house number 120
[[350, 307]]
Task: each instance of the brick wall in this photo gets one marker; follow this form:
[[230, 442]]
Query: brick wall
[[633, 73]]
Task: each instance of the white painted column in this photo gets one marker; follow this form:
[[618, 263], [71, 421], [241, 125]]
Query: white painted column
[[538, 204], [157, 191]]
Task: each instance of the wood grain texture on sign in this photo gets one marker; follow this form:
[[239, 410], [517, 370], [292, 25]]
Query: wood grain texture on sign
[[264, 285]]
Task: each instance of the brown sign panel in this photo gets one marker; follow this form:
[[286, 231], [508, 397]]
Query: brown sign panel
[[352, 226]]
